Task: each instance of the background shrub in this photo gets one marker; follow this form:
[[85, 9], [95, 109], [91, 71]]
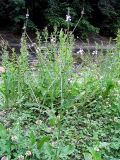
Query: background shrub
[[99, 15]]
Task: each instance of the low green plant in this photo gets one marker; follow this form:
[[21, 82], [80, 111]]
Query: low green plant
[[53, 112], [45, 87]]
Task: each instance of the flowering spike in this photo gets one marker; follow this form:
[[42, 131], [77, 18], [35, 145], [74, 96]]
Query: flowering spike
[[68, 18], [27, 15], [83, 11], [95, 52], [81, 51]]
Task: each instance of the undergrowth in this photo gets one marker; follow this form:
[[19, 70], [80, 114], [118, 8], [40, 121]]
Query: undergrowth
[[53, 111]]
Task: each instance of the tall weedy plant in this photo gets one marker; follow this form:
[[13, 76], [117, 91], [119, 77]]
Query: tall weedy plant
[[50, 86], [44, 88], [14, 85]]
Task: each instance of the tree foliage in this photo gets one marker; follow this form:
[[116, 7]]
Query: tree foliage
[[103, 15]]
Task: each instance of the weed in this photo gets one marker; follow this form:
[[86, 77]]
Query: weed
[[54, 113]]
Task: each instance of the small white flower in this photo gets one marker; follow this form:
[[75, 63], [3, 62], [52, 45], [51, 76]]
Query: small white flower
[[68, 18], [70, 80], [14, 138], [37, 49], [95, 52], [96, 149], [81, 51], [38, 122], [28, 153], [31, 45], [21, 157], [27, 15], [52, 40], [82, 12]]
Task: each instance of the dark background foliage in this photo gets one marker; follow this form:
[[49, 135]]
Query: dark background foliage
[[101, 16]]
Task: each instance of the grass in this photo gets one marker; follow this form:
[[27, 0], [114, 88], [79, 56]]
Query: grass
[[52, 111]]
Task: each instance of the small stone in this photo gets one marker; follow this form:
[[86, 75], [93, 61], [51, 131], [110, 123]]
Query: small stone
[[2, 113], [2, 70], [4, 158]]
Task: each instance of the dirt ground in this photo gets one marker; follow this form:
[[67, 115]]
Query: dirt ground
[[93, 42], [14, 39]]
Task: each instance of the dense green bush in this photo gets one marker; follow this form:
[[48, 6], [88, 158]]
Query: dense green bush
[[99, 15], [13, 12]]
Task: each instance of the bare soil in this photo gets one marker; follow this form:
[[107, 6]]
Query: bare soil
[[89, 45]]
